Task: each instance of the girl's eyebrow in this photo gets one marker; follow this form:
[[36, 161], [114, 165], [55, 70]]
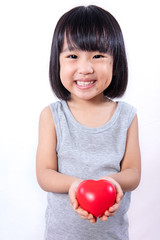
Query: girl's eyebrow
[[69, 50], [65, 50], [72, 48]]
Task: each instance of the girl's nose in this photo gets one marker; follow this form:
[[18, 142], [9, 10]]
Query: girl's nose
[[85, 67]]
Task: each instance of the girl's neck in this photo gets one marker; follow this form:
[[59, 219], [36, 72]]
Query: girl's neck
[[85, 104], [92, 113]]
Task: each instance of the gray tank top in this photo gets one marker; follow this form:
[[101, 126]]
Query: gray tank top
[[88, 153]]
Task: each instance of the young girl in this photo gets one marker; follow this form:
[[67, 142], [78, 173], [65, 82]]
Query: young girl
[[87, 135]]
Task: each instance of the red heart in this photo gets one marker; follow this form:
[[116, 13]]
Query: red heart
[[96, 196]]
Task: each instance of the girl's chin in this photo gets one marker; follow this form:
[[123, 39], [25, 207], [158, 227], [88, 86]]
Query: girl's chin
[[87, 96]]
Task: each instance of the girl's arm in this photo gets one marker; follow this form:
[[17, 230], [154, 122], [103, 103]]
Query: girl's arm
[[48, 177], [46, 160], [130, 174]]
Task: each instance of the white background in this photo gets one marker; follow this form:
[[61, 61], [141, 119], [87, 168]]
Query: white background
[[26, 29]]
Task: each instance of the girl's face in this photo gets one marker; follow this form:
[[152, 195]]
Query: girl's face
[[85, 74]]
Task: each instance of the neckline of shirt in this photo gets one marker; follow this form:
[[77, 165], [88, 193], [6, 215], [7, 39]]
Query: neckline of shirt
[[91, 129]]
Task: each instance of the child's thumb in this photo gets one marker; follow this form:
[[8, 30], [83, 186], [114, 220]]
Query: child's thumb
[[75, 204], [73, 201]]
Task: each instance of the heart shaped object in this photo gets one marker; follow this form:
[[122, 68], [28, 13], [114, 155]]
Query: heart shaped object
[[96, 196]]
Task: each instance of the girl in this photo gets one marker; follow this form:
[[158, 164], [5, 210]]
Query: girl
[[87, 135]]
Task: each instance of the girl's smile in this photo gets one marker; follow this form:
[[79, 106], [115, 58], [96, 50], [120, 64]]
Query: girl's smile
[[85, 74], [85, 83]]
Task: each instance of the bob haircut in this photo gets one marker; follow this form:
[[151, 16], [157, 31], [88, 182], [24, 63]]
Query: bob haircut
[[89, 28]]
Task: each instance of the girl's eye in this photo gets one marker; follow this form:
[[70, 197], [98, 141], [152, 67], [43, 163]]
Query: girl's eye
[[98, 56], [72, 56]]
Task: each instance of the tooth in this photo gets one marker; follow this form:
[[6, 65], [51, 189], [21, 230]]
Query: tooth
[[84, 83]]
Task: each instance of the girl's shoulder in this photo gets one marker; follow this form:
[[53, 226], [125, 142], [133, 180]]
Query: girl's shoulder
[[126, 107], [45, 114], [127, 112], [56, 105], [46, 119]]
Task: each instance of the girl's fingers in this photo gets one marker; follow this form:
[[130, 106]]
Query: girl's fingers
[[74, 204], [93, 220], [107, 213], [85, 215], [104, 218], [82, 212], [114, 208], [72, 193]]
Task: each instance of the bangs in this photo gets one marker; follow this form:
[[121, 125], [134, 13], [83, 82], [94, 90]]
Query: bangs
[[89, 31]]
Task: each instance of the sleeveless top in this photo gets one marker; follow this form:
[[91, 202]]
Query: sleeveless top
[[88, 153]]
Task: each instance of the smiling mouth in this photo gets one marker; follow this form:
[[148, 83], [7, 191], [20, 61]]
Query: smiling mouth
[[85, 83]]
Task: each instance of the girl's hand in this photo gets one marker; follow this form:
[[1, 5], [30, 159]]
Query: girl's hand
[[112, 210], [74, 203]]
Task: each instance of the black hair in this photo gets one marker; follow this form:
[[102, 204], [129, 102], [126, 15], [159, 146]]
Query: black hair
[[89, 28]]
